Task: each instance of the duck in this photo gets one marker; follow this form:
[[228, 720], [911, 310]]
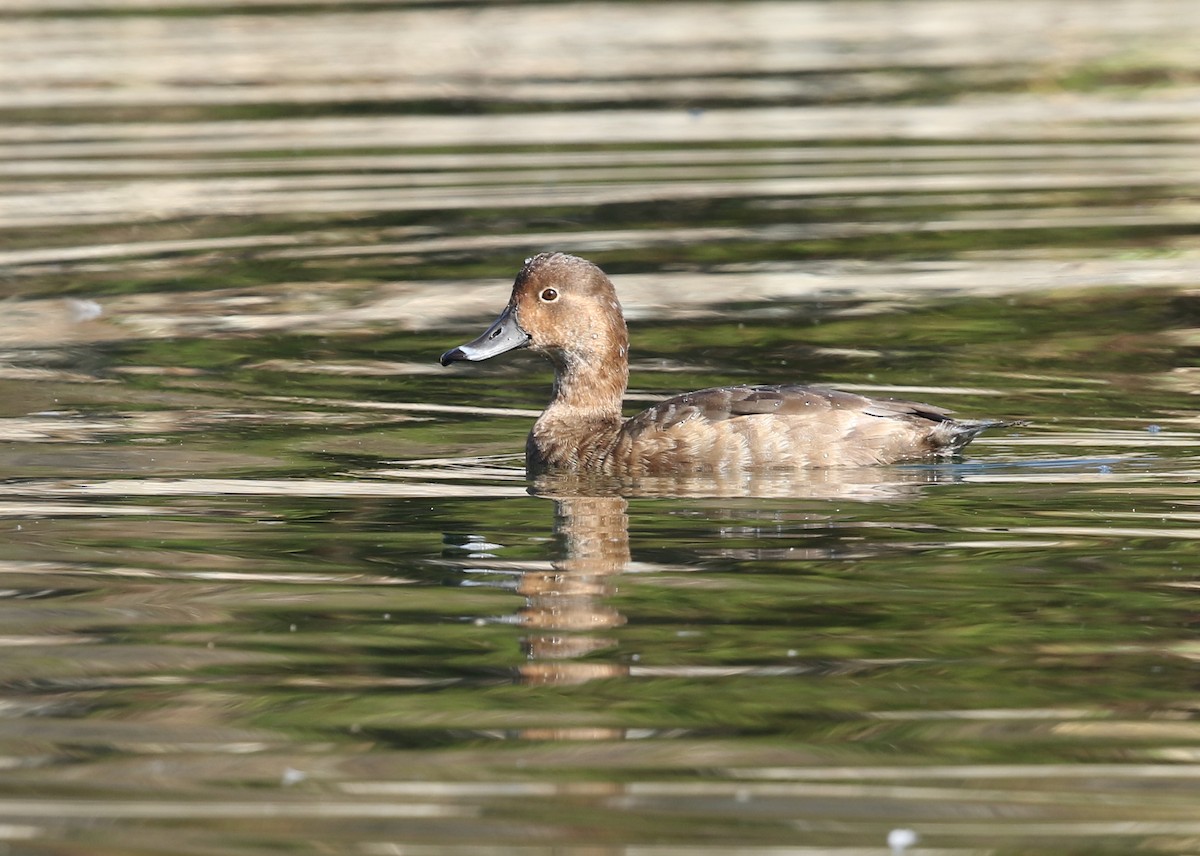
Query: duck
[[566, 308]]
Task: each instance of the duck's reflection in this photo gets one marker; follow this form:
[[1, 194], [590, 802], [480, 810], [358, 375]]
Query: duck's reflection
[[567, 609]]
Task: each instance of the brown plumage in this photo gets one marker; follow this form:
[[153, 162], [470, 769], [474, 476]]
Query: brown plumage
[[566, 308]]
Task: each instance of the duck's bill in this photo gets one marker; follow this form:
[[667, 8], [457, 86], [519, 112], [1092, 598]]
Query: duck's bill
[[505, 334]]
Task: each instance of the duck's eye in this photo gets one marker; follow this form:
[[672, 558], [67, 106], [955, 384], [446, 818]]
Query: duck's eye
[[548, 295]]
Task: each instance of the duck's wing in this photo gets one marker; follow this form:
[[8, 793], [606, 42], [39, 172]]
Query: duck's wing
[[788, 427]]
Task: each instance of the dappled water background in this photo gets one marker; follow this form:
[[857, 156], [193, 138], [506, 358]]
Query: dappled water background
[[274, 580]]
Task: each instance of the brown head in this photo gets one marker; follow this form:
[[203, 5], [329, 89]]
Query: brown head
[[565, 307]]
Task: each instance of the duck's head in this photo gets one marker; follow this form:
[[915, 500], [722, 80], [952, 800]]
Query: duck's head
[[561, 305]]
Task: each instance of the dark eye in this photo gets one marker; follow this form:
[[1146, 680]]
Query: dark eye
[[549, 295]]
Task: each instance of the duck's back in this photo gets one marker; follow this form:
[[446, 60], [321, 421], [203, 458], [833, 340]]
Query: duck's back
[[782, 427]]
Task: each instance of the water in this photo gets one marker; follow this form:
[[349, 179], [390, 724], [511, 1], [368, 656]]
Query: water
[[274, 580]]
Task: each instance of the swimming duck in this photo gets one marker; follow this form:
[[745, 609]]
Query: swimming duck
[[566, 308]]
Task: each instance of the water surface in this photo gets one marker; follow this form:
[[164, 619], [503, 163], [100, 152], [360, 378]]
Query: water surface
[[273, 579]]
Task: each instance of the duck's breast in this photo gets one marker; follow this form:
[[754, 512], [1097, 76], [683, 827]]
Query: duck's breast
[[773, 427]]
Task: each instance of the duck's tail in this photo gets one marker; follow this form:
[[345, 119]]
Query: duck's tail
[[953, 435]]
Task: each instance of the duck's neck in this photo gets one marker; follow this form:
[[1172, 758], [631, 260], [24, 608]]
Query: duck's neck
[[582, 421]]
